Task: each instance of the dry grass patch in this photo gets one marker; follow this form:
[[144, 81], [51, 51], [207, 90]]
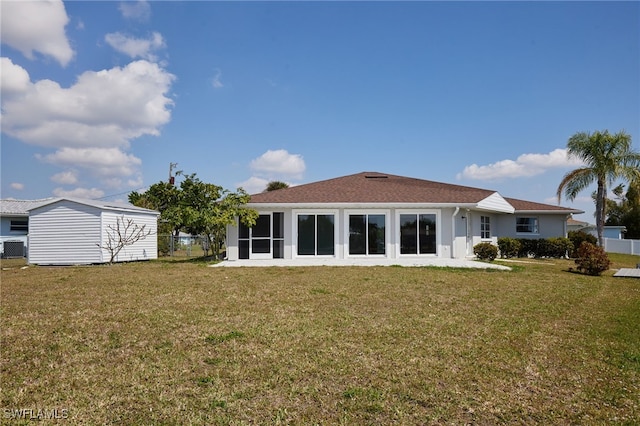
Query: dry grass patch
[[180, 343]]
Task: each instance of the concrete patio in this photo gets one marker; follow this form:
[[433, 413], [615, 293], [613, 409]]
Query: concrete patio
[[405, 262]]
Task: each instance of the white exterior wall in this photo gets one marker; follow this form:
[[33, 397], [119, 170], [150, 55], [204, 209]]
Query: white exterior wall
[[144, 249], [446, 236], [64, 233]]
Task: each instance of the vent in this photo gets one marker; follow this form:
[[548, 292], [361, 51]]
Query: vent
[[13, 249], [376, 176]]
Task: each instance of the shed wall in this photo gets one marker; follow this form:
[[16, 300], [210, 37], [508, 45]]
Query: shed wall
[[64, 233], [144, 249]]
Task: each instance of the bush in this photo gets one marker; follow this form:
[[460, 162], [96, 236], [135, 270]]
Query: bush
[[528, 247], [577, 237], [485, 251], [592, 259], [509, 247], [555, 247]]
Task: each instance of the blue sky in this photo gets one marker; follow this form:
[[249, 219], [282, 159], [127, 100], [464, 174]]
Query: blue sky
[[98, 98]]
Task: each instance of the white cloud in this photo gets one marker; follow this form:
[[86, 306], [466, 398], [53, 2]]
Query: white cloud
[[69, 177], [526, 165], [254, 185], [216, 82], [139, 10], [136, 47], [14, 79], [17, 186], [104, 108], [106, 163], [88, 193], [36, 26], [279, 162]]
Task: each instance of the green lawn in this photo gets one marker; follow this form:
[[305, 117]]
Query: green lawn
[[175, 342]]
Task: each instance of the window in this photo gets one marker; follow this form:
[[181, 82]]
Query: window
[[485, 227], [366, 234], [316, 235], [527, 225], [19, 225], [417, 234]]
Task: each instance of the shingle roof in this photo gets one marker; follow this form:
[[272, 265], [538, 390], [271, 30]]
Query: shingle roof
[[522, 205], [375, 187], [11, 207]]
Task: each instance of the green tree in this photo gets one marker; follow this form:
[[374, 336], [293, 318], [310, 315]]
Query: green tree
[[198, 208], [626, 210], [275, 184], [607, 158]]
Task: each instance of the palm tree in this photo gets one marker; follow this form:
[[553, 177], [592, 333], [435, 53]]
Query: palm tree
[[276, 184], [606, 158]]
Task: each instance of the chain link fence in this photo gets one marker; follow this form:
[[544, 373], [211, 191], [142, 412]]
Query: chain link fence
[[182, 246]]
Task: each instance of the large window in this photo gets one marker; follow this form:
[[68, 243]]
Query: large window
[[316, 234], [418, 233], [527, 225], [367, 234], [485, 227]]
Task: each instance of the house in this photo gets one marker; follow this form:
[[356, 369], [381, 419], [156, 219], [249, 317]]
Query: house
[[66, 231], [14, 226], [377, 215], [615, 232]]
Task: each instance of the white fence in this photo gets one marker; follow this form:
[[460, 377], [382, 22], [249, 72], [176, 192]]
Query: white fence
[[613, 245]]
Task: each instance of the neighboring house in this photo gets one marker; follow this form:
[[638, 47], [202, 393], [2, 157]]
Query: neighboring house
[[14, 226], [615, 232], [372, 214], [66, 231]]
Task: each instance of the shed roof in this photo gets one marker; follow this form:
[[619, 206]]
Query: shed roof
[[105, 205]]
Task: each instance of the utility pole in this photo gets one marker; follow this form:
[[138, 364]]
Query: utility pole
[[171, 167]]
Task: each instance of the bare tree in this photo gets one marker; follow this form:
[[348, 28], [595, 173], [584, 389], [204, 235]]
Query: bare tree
[[125, 233]]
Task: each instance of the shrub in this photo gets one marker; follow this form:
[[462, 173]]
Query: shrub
[[528, 247], [556, 247], [509, 247], [577, 237], [485, 251], [592, 259]]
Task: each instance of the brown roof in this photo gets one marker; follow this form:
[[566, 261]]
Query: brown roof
[[374, 187], [522, 205]]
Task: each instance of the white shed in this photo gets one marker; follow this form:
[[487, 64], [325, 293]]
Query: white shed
[[70, 231]]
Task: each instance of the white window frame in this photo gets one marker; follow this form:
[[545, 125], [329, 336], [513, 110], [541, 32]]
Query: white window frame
[[367, 212], [536, 226], [294, 230], [485, 227], [438, 232]]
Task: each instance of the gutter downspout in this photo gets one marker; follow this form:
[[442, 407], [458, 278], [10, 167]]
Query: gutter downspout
[[453, 232]]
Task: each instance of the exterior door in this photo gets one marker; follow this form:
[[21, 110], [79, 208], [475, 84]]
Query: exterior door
[[260, 238]]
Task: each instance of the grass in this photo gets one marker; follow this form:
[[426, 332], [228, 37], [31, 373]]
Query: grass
[[175, 342]]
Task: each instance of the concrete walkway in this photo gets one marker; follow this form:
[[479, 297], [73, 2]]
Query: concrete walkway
[[406, 262]]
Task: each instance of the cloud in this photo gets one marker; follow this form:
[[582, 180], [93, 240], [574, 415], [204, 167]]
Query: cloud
[[526, 165], [104, 108], [139, 10], [36, 26], [136, 47], [66, 178], [87, 193], [17, 186], [105, 163], [279, 163], [216, 83], [254, 185]]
